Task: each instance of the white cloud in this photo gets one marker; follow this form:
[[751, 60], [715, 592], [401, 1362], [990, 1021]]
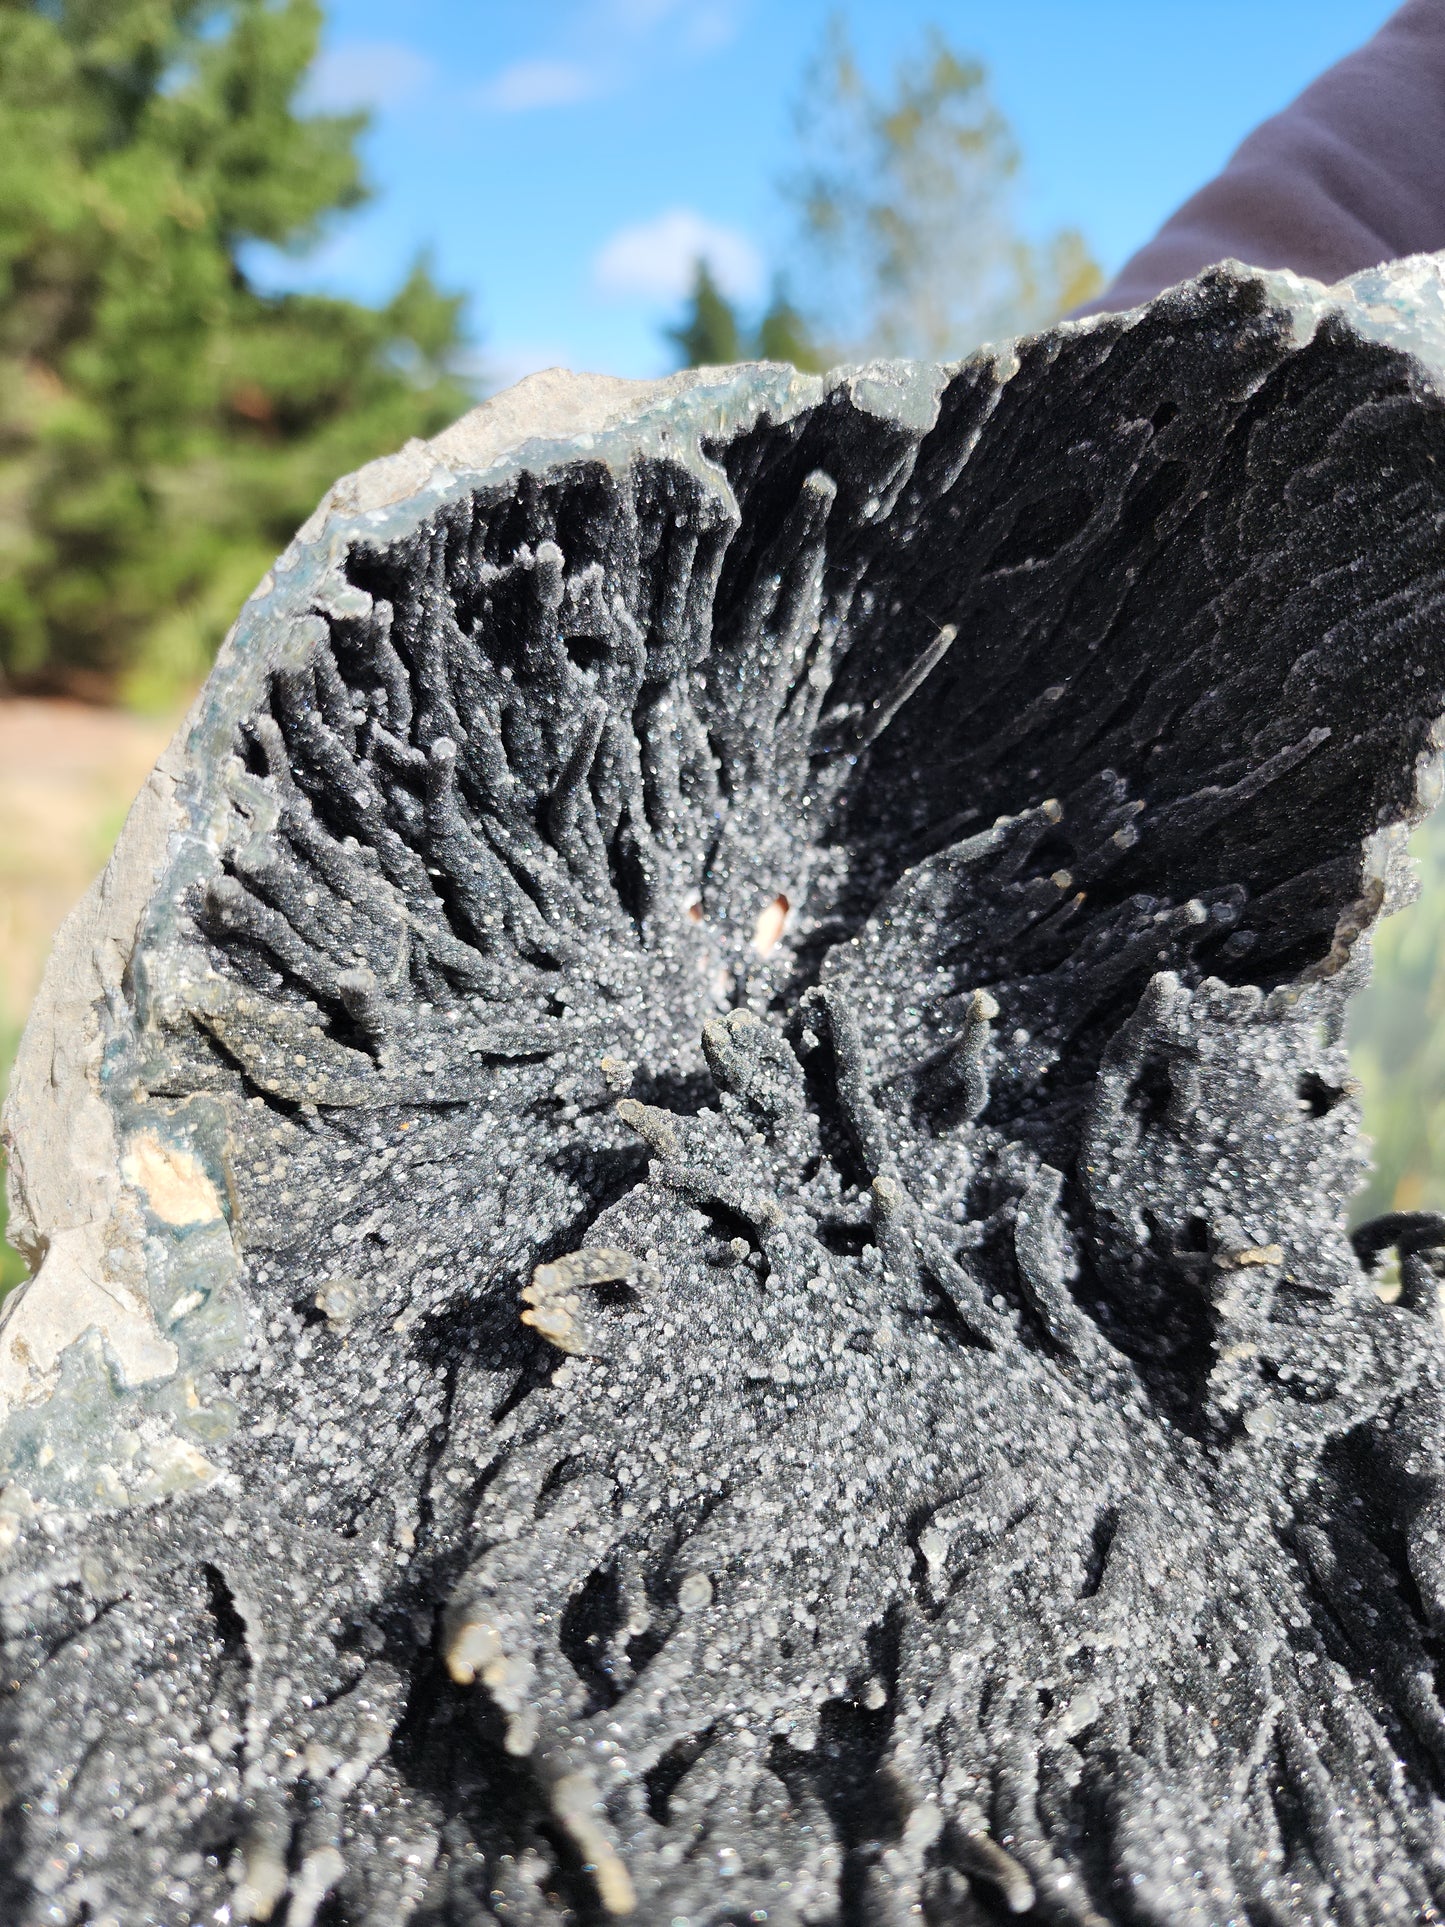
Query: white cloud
[[703, 24], [657, 258], [711, 27], [620, 28], [366, 73], [528, 84]]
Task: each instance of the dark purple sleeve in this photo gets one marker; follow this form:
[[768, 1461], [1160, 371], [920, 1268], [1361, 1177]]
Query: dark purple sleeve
[[1352, 173]]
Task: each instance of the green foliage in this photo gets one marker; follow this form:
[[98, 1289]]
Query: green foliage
[[1397, 1038], [904, 201], [784, 335], [710, 334], [164, 426], [13, 1268]]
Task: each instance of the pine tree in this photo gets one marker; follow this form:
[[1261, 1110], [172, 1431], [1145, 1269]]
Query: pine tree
[[708, 336], [164, 425], [783, 335]]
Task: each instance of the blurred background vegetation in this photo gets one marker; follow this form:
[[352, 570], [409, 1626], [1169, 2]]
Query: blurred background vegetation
[[165, 424], [1397, 1044], [906, 240]]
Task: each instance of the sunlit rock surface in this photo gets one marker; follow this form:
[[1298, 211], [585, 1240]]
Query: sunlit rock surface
[[691, 1173]]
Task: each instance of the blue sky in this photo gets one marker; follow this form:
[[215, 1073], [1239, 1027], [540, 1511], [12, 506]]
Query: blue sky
[[564, 160]]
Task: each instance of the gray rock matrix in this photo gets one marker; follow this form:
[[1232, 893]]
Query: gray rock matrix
[[690, 1174]]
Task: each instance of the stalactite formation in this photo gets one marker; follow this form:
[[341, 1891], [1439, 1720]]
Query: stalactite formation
[[728, 1153]]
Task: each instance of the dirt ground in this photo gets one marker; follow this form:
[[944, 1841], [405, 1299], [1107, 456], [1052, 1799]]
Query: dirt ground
[[68, 773]]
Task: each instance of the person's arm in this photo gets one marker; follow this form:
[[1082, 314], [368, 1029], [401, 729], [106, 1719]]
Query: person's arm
[[1352, 173]]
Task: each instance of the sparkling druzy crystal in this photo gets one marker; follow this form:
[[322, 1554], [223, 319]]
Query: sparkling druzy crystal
[[690, 1174]]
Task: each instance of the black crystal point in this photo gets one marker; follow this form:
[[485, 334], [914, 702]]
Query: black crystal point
[[717, 1264]]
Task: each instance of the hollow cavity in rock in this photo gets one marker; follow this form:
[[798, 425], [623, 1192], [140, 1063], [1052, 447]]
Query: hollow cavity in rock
[[723, 1143]]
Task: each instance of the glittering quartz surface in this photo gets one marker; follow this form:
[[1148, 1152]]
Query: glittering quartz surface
[[692, 1171]]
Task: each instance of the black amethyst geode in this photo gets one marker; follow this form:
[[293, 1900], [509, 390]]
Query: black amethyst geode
[[690, 1175]]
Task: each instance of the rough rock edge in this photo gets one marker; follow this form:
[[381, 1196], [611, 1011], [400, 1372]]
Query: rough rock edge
[[79, 1203], [68, 1196]]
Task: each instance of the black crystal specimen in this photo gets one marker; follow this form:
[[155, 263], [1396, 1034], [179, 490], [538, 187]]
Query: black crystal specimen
[[732, 1143]]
